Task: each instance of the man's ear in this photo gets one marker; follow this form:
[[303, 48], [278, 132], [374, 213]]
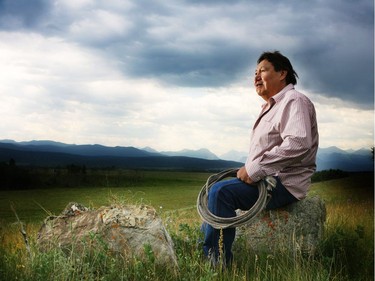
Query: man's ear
[[283, 74]]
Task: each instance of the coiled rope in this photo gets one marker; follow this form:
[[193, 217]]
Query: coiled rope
[[264, 186]]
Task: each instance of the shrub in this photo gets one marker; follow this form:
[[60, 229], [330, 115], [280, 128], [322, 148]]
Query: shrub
[[328, 175]]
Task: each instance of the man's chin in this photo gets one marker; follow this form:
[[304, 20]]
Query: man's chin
[[263, 95]]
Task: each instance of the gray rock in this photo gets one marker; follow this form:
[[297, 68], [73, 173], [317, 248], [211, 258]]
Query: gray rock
[[125, 230], [297, 227]]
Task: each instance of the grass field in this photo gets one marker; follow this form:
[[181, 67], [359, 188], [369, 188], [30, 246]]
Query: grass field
[[347, 251], [169, 190]]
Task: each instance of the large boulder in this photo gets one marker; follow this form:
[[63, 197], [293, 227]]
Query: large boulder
[[130, 231], [297, 227]]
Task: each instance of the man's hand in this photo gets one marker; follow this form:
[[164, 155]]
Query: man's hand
[[243, 176]]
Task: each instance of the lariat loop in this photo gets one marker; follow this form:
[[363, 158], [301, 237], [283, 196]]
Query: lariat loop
[[265, 186]]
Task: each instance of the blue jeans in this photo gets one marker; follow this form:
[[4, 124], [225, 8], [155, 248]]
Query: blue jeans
[[224, 198]]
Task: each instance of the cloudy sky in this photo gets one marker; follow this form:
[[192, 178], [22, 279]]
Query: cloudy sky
[[174, 74]]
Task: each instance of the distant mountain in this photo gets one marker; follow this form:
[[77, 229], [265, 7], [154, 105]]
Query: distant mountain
[[43, 142], [84, 150], [346, 160], [149, 149], [235, 155], [48, 154], [333, 149], [44, 153], [362, 151], [201, 153]]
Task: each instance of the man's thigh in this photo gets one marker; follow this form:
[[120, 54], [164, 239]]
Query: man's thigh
[[236, 193]]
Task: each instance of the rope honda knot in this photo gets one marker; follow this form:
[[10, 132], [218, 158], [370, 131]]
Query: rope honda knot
[[265, 186]]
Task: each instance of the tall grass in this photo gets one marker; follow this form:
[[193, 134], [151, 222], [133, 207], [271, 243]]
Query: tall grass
[[345, 253]]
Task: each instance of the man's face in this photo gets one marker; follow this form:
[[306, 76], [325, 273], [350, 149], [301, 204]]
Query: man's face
[[267, 81]]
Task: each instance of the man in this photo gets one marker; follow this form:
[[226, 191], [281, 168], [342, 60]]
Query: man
[[283, 144]]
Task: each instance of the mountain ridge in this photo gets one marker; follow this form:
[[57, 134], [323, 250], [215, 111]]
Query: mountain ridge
[[47, 155], [200, 153], [327, 158]]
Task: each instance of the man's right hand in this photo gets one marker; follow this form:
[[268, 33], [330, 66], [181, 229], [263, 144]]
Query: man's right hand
[[243, 176]]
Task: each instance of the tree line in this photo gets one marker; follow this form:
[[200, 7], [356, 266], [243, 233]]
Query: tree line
[[14, 177]]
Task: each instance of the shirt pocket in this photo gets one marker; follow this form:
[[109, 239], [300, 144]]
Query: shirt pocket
[[270, 136]]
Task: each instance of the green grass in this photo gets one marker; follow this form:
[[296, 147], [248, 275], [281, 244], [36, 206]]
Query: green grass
[[169, 190], [346, 252]]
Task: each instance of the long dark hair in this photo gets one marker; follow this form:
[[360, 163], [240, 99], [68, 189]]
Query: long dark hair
[[280, 62]]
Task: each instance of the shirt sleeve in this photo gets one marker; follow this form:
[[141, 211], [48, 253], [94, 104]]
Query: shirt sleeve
[[291, 144]]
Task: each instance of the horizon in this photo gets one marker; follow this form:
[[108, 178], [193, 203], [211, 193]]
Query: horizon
[[59, 153], [160, 151]]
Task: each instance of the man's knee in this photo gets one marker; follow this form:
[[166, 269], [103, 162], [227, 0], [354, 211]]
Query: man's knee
[[215, 190], [219, 190]]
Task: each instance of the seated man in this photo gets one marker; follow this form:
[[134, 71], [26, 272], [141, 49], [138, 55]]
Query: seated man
[[283, 144]]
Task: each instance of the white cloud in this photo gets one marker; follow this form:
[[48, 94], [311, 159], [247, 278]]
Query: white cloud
[[344, 126], [99, 26]]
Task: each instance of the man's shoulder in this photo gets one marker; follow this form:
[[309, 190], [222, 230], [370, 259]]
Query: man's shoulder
[[293, 99], [293, 94]]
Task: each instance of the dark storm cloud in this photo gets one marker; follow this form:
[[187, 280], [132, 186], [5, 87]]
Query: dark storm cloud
[[215, 43], [330, 43], [195, 68], [337, 53], [20, 14]]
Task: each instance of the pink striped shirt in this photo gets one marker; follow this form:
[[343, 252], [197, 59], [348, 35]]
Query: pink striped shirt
[[284, 141]]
